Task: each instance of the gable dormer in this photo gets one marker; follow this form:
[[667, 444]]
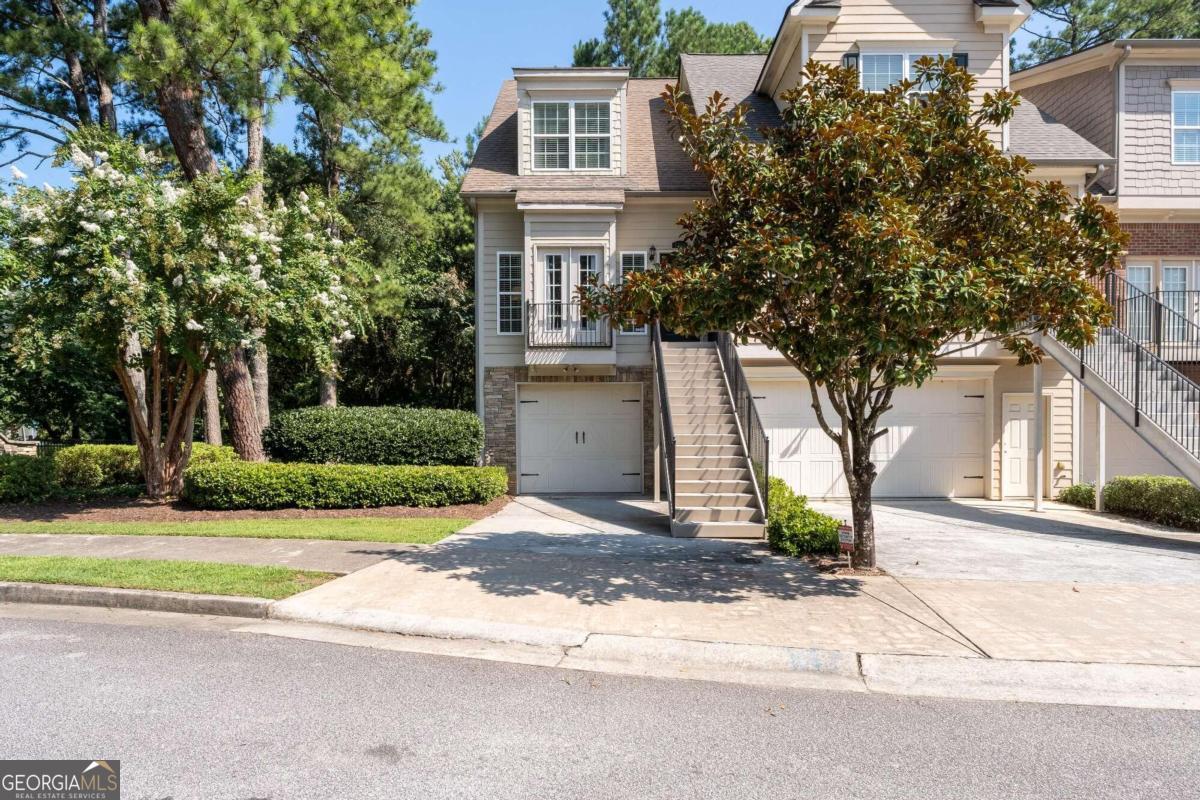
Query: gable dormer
[[571, 121]]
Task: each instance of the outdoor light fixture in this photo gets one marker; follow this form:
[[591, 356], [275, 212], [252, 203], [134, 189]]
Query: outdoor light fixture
[[653, 254]]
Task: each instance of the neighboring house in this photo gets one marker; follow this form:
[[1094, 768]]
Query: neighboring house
[[578, 176], [1139, 99]]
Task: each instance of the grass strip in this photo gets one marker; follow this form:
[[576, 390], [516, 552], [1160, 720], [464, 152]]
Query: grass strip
[[399, 530], [196, 577]]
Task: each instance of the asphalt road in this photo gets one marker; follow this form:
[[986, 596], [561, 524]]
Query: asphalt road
[[207, 713]]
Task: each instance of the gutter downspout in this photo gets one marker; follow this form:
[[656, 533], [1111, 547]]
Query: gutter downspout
[[1119, 116], [1101, 171]]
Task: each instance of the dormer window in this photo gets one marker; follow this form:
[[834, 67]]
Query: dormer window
[[572, 135]]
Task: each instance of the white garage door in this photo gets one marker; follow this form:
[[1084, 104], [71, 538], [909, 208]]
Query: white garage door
[[579, 438], [934, 446]]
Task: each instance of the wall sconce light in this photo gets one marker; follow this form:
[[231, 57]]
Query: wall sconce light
[[653, 254]]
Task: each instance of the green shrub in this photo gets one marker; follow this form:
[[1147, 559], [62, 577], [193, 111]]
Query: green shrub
[[95, 466], [384, 435], [795, 529], [243, 485], [24, 479], [1168, 501], [1081, 494]]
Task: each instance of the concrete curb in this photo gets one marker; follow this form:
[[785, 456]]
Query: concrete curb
[[137, 599], [428, 626]]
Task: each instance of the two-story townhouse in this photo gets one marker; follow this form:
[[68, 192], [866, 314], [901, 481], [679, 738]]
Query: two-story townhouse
[[578, 176], [1139, 99]]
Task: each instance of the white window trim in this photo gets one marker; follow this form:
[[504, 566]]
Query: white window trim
[[571, 135], [1174, 159], [907, 58], [642, 330], [520, 293]]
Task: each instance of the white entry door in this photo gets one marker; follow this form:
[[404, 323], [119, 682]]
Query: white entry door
[[934, 446], [1018, 453], [562, 273], [579, 438]]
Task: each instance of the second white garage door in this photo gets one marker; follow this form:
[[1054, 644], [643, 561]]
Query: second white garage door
[[579, 438], [934, 446]]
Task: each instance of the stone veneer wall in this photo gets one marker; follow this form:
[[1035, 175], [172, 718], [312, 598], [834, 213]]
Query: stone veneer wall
[[500, 414]]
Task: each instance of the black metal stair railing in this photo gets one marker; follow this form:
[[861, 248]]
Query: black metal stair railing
[[1133, 356], [667, 427], [755, 439]]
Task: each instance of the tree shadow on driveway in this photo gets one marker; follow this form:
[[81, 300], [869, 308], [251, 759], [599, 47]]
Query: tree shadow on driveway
[[600, 569]]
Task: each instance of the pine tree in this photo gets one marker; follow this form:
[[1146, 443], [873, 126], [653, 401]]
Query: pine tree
[[1076, 25]]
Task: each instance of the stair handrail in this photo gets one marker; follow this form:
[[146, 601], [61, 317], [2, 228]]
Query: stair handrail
[[667, 426], [751, 431], [1120, 293]]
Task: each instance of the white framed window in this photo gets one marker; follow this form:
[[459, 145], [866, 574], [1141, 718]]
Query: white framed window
[[632, 262], [1185, 127], [572, 135], [510, 311], [878, 72]]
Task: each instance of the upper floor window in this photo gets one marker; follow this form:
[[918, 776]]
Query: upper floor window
[[1186, 127], [572, 136], [880, 71]]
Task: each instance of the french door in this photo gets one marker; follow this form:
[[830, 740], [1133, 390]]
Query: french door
[[1175, 297], [1141, 278], [563, 271]]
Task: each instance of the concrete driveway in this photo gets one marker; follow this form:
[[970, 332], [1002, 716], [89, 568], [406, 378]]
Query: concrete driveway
[[977, 540]]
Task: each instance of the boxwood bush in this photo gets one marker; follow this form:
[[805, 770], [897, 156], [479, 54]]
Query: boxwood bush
[[243, 485], [1081, 494], [25, 479], [379, 435], [1168, 501], [795, 529], [94, 466]]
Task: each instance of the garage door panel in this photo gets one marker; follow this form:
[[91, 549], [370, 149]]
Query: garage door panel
[[933, 445], [584, 438]]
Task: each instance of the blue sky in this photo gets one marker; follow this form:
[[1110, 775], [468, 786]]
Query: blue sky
[[478, 42]]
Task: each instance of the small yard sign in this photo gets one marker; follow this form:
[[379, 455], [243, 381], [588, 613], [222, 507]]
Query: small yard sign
[[846, 538]]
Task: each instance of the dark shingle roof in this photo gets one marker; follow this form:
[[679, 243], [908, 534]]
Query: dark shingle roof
[[1041, 138], [656, 162], [735, 78]]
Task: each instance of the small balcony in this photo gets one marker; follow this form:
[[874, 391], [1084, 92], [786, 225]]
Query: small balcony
[[563, 326]]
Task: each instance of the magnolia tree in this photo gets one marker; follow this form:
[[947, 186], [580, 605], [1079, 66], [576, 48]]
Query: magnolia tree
[[867, 237], [161, 277]]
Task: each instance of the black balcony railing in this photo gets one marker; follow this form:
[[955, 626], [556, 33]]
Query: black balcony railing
[[564, 325], [754, 434]]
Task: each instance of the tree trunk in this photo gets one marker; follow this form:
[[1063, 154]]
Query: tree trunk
[[244, 430], [329, 391], [260, 362], [862, 473], [137, 378], [106, 104], [75, 78], [212, 410]]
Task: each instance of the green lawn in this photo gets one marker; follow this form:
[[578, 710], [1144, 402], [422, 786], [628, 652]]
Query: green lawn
[[272, 583], [359, 529]]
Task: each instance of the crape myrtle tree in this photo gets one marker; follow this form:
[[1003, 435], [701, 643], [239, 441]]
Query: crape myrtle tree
[[193, 268], [867, 237]]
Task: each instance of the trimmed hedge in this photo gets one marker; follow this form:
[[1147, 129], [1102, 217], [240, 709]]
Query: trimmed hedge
[[381, 435], [1167, 501], [93, 466], [243, 485], [795, 529], [24, 479], [1081, 494]]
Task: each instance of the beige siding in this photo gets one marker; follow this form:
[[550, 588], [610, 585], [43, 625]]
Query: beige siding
[[639, 226], [503, 232], [1146, 167], [1059, 424], [864, 21], [1083, 102], [1125, 453]]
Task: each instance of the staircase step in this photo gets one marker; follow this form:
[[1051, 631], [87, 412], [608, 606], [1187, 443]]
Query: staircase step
[[695, 474], [713, 487], [705, 426], [710, 450], [718, 439], [718, 530], [684, 410], [696, 384], [708, 514], [716, 500], [710, 462]]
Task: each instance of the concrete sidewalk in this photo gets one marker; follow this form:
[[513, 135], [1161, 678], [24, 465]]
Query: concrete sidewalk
[[321, 555], [577, 573]]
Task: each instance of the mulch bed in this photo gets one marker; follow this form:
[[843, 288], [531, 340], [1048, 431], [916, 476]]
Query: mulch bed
[[150, 511]]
